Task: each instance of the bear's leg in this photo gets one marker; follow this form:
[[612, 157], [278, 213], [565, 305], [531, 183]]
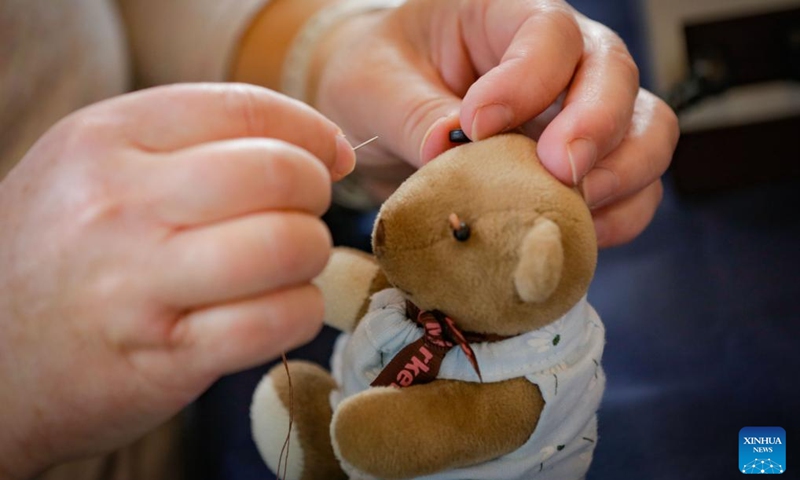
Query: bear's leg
[[310, 453], [419, 430]]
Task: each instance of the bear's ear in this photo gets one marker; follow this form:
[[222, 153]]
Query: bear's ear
[[541, 260]]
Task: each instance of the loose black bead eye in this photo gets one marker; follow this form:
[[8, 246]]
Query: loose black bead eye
[[462, 232], [458, 136], [460, 229]]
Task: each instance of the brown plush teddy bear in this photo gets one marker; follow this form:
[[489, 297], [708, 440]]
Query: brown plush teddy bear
[[470, 351]]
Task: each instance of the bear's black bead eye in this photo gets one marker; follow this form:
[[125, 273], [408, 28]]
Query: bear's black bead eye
[[458, 136], [462, 232], [460, 229]]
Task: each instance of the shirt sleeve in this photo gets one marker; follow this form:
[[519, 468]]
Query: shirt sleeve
[[185, 40]]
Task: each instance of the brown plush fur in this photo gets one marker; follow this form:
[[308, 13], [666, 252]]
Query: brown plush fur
[[404, 433], [530, 257], [311, 388], [499, 188], [347, 282]]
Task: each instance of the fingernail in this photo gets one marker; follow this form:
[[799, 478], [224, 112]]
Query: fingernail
[[598, 186], [491, 119], [427, 136], [582, 154], [431, 147], [345, 159]]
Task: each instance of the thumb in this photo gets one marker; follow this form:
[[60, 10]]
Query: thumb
[[415, 122], [411, 110], [437, 137], [424, 115]]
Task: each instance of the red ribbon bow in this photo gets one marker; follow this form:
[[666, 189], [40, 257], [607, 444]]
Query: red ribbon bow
[[419, 362]]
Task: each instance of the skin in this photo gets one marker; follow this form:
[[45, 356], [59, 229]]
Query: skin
[[555, 74], [131, 281], [129, 278]]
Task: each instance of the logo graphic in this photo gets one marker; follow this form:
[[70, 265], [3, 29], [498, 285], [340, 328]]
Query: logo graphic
[[762, 450]]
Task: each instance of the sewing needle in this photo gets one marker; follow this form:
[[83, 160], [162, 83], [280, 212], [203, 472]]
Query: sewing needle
[[365, 143]]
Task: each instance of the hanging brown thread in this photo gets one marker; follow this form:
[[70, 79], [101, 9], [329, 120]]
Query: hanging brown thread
[[285, 449], [283, 458]]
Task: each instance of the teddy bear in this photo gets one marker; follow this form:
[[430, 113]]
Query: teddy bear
[[469, 349]]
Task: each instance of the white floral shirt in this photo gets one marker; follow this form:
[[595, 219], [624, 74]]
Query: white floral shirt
[[563, 359]]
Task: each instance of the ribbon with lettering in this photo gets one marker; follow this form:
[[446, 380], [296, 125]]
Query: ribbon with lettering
[[419, 362]]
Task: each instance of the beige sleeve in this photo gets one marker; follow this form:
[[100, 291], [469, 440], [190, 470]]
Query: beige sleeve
[[185, 40]]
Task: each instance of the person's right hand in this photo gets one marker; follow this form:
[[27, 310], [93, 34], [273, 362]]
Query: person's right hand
[[148, 245], [487, 67]]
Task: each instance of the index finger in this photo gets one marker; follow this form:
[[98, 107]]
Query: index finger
[[538, 45], [174, 117], [597, 110]]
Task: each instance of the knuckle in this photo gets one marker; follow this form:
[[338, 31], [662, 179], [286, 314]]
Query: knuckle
[[218, 261], [629, 224], [98, 207], [629, 230], [99, 195], [662, 112], [81, 133], [669, 134], [612, 47], [419, 116], [315, 307], [606, 125], [278, 157], [626, 235], [565, 23], [562, 17], [653, 169], [659, 131], [307, 296], [291, 175], [619, 53], [306, 245], [242, 102], [106, 286], [658, 195], [672, 125], [323, 243], [649, 202]]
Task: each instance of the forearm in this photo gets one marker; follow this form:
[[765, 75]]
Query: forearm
[[324, 25], [263, 48]]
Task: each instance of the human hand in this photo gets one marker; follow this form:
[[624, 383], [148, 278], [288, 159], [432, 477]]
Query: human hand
[[487, 67], [148, 245]]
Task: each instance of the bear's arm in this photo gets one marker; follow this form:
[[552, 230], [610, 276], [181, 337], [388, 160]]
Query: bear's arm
[[438, 426], [347, 283]]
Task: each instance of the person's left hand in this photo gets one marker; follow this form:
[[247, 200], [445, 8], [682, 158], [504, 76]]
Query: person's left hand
[[412, 74]]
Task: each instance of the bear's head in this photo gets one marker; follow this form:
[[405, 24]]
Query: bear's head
[[487, 236]]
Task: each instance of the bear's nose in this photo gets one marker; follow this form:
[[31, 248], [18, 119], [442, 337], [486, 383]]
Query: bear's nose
[[379, 237]]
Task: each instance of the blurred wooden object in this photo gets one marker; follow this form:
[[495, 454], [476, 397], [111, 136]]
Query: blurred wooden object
[[159, 455]]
